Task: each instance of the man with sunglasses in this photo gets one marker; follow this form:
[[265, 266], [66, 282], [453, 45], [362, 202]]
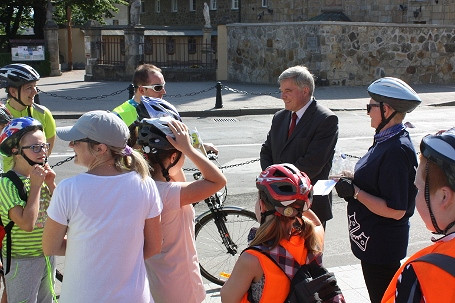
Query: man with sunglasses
[[148, 81], [381, 192]]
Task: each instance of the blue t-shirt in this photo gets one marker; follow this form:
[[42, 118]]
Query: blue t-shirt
[[387, 171]]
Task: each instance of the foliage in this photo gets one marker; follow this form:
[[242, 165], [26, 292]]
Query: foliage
[[19, 14], [85, 10]]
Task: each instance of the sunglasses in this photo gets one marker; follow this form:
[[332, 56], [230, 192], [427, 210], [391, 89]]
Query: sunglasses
[[156, 87], [87, 140], [370, 106], [36, 148]]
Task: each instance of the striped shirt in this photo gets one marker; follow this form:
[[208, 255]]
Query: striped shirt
[[24, 244]]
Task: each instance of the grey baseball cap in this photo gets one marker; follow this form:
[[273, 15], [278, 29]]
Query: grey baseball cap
[[98, 125]]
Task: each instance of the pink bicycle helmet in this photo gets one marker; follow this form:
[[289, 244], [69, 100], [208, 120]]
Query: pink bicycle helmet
[[286, 188]]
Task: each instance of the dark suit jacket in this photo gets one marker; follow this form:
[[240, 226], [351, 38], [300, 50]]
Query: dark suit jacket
[[310, 148]]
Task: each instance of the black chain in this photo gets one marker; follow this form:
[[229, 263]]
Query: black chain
[[191, 94], [344, 156], [227, 166], [63, 161], [247, 93], [83, 98]]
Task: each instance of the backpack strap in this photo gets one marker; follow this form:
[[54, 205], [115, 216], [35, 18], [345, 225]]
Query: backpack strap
[[444, 262], [11, 174]]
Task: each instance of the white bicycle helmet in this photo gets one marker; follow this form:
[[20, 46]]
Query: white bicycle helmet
[[396, 93], [18, 74], [156, 108]]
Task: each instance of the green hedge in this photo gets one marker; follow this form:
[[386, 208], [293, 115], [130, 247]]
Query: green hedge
[[42, 67]]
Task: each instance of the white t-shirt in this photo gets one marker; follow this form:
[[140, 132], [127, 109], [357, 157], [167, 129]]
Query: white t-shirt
[[174, 274], [105, 216]]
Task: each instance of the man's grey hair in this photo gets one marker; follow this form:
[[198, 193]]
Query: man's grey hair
[[301, 76]]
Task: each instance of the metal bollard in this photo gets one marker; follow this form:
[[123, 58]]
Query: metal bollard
[[131, 91], [219, 101]]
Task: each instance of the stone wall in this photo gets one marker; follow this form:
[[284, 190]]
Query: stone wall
[[344, 53]]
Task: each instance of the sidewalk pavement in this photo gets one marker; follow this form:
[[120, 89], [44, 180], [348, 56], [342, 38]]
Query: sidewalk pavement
[[68, 96]]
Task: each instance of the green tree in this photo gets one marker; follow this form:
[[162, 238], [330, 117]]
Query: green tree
[[19, 14]]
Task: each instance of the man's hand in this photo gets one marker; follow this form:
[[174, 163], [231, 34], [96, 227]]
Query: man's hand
[[209, 147], [345, 188]]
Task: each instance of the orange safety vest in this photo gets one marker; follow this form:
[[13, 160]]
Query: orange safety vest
[[277, 284], [437, 285]]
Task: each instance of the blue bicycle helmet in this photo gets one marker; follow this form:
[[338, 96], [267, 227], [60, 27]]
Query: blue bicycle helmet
[[14, 131], [156, 108]]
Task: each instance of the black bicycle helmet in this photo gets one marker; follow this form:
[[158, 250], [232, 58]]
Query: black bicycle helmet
[[394, 92], [156, 108], [5, 115], [152, 134], [18, 74], [14, 131], [440, 149], [287, 188]]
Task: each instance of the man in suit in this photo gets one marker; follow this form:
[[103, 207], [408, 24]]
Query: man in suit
[[309, 142]]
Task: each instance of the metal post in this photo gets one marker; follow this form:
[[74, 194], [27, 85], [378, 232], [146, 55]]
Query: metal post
[[131, 91], [219, 101]]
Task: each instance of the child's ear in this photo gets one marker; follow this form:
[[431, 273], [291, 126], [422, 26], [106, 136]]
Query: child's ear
[[14, 150]]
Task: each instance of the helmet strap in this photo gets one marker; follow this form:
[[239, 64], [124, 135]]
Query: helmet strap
[[427, 201], [267, 213], [29, 161], [165, 170], [384, 120], [18, 99]]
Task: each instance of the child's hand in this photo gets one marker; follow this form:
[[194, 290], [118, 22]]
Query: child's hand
[[37, 175], [182, 140], [50, 175]]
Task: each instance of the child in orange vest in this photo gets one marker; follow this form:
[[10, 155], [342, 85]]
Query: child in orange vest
[[416, 280]]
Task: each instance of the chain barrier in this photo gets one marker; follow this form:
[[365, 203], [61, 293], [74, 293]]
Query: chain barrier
[[191, 94], [234, 90], [82, 98], [63, 161], [227, 166]]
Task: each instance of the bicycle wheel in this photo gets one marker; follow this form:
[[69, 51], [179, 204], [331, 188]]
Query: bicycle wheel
[[215, 262]]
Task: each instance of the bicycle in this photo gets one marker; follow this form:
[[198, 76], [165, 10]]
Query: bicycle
[[221, 234]]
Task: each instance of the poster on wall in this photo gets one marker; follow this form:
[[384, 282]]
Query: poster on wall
[[27, 53]]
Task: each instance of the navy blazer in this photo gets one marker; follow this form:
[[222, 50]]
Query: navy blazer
[[310, 148]]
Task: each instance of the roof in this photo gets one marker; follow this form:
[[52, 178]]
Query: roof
[[331, 16]]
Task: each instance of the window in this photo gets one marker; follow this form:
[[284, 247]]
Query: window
[[265, 3], [213, 5], [157, 6], [174, 6], [191, 45], [142, 6], [235, 4], [115, 22], [192, 5]]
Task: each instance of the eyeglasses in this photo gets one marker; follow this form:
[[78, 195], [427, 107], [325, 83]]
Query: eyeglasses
[[36, 148], [87, 140], [370, 106], [156, 87]]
